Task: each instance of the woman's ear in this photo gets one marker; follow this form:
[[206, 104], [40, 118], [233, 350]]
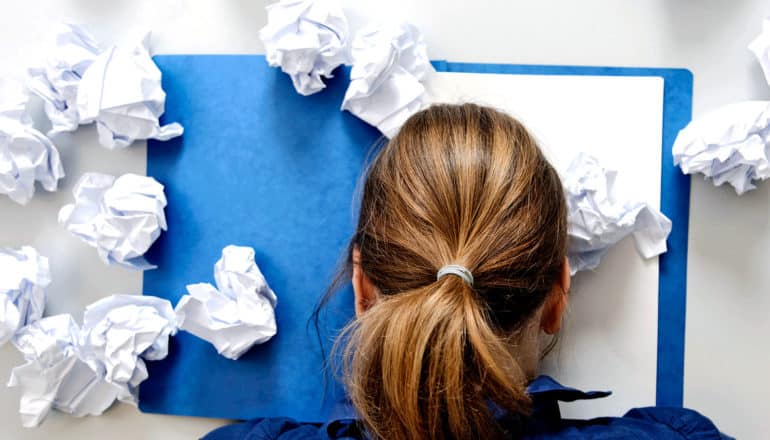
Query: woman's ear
[[363, 290], [556, 303]]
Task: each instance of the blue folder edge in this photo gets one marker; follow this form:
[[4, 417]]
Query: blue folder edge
[[674, 203], [675, 191]]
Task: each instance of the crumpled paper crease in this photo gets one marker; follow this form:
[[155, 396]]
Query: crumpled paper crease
[[24, 276]]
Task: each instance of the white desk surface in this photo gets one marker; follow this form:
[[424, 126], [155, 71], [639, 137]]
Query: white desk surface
[[728, 299]]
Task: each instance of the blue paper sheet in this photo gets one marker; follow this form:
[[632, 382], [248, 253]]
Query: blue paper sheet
[[262, 166]]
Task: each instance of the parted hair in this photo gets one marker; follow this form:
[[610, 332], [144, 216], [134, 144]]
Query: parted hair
[[459, 184]]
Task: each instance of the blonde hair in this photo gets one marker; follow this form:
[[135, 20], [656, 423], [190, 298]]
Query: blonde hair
[[459, 184]]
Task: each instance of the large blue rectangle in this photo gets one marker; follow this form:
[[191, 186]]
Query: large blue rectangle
[[262, 166]]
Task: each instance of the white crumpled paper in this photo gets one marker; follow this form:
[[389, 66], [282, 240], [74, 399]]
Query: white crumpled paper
[[72, 51], [120, 217], [729, 144], [121, 92], [118, 332], [118, 88], [83, 371], [236, 314], [390, 65], [24, 275], [49, 347], [307, 39], [14, 96], [760, 46], [598, 218], [53, 375], [26, 155]]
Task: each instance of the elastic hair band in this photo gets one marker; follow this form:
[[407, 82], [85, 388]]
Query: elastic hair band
[[456, 269]]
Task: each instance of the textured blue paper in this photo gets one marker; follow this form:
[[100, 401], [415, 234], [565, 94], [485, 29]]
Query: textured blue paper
[[260, 165]]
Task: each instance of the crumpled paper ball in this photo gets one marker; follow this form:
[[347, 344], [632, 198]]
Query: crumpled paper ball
[[26, 155], [390, 65], [117, 88], [727, 145], [120, 217], [307, 39], [235, 315], [599, 216]]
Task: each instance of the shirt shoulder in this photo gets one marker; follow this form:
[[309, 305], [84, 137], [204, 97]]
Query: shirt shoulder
[[278, 428], [640, 423], [282, 428], [688, 423]]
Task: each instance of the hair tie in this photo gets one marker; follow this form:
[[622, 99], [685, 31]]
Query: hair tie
[[456, 269]]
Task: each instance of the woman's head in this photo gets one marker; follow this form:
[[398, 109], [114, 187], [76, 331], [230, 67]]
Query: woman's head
[[465, 185]]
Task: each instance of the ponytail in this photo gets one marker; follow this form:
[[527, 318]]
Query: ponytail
[[425, 364], [433, 358]]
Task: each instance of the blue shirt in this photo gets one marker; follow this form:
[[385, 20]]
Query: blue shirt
[[544, 423]]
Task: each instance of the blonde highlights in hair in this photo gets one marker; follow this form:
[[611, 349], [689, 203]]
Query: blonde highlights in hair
[[459, 184]]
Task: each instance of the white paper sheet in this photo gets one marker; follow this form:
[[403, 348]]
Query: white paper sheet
[[26, 155], [390, 64], [307, 39], [24, 276], [235, 315], [609, 337], [120, 217]]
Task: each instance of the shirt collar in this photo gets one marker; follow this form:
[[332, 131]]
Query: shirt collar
[[546, 387]]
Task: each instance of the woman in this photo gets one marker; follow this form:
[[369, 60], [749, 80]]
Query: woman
[[459, 269]]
